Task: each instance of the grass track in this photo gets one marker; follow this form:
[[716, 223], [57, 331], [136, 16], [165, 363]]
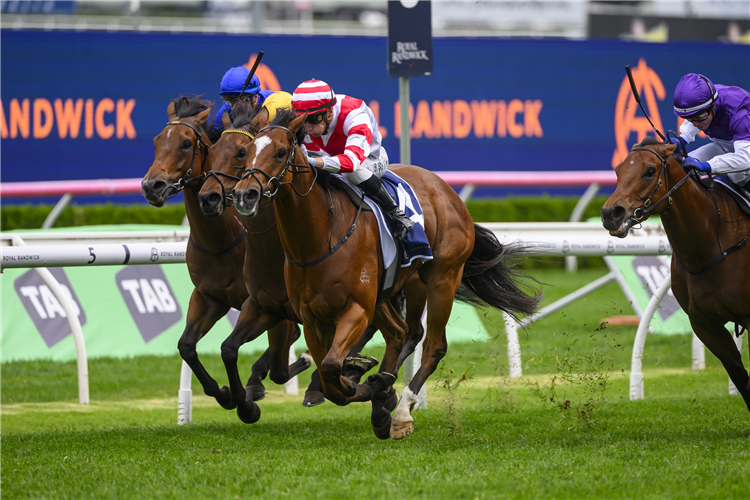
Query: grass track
[[564, 430]]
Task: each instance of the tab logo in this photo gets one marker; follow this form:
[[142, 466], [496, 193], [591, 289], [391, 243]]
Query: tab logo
[[43, 307], [650, 88], [652, 272], [149, 298]]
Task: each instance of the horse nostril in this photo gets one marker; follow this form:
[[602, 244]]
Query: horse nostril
[[155, 186]]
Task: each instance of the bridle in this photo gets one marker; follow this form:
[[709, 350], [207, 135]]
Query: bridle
[[277, 182], [226, 198], [644, 210], [185, 179], [641, 212]]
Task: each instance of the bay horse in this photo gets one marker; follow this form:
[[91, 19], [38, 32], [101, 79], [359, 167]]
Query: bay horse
[[268, 303], [707, 230], [333, 280], [216, 250]]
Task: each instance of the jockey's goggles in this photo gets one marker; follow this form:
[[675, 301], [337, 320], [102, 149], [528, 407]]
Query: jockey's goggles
[[699, 117], [315, 119], [234, 98]]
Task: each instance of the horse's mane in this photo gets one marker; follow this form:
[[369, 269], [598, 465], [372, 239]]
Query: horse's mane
[[648, 141], [243, 113], [284, 117], [186, 106]]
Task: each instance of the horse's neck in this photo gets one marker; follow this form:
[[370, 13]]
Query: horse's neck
[[691, 224], [210, 233], [304, 223]]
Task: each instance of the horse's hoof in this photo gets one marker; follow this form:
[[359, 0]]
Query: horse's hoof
[[313, 398], [308, 360], [391, 401], [360, 364], [381, 381], [255, 392], [224, 398], [249, 415], [383, 431], [399, 430]]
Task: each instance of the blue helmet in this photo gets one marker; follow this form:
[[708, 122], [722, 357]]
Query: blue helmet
[[693, 94], [234, 80]]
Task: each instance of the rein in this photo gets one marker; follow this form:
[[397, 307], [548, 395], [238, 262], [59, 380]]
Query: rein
[[278, 183], [216, 175], [648, 207], [185, 180]]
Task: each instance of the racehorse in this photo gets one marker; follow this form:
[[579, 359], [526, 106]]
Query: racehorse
[[216, 251], [333, 280], [268, 304], [710, 263]]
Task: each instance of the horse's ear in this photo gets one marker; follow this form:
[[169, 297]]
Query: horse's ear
[[171, 110], [260, 121], [203, 116], [226, 120], [297, 123]]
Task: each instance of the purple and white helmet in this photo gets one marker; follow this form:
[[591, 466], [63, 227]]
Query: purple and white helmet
[[693, 94]]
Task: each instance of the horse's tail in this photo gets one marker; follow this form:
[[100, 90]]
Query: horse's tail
[[490, 277]]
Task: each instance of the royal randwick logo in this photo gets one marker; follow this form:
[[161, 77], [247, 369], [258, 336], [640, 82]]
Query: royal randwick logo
[[650, 88]]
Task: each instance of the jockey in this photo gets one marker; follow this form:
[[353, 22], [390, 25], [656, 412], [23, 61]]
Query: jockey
[[343, 137], [231, 88], [723, 113], [278, 100]]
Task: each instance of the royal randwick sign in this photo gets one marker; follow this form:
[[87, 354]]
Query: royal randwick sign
[[409, 38]]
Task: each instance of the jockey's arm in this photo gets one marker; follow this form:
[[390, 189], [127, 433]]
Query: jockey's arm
[[738, 161]]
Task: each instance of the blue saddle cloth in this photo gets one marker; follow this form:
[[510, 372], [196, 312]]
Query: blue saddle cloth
[[415, 245]]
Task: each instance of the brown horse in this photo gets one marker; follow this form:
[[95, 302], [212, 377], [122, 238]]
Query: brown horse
[[707, 231], [268, 304], [216, 251], [333, 280]]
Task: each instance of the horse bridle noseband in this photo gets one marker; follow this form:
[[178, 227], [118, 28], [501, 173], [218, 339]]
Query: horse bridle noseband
[[185, 179], [278, 183], [648, 207]]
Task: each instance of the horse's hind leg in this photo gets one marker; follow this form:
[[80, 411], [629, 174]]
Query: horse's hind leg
[[280, 339], [721, 344], [441, 289], [415, 302], [203, 313]]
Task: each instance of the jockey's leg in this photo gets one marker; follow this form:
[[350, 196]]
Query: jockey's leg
[[401, 223]]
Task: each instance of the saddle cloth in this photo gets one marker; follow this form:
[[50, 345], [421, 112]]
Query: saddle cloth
[[736, 194], [415, 245]]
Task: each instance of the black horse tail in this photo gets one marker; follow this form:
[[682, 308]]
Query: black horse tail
[[491, 278]]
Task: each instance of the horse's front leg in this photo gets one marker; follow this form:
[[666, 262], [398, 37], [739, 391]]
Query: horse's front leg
[[203, 313], [349, 329], [721, 344], [252, 322]]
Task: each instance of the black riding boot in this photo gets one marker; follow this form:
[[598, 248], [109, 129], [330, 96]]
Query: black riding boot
[[400, 223]]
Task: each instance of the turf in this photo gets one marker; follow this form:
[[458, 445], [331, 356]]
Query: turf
[[566, 429]]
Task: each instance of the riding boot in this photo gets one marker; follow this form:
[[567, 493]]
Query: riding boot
[[400, 223]]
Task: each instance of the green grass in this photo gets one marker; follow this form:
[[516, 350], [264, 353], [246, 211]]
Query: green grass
[[565, 430]]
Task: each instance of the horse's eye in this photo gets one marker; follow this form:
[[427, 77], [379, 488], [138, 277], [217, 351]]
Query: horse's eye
[[241, 153], [650, 171], [186, 144], [281, 153]]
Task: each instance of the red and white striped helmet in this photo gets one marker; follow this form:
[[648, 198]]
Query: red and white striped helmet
[[313, 96]]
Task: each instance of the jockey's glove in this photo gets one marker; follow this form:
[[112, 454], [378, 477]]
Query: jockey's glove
[[703, 166], [680, 142], [311, 160]]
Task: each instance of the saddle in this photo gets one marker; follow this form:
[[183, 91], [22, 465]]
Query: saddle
[[740, 194]]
